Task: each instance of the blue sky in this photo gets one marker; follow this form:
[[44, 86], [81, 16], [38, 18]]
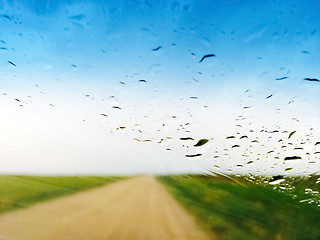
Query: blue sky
[[65, 50]]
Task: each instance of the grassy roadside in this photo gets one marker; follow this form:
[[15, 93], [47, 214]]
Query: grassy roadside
[[247, 211], [21, 191]]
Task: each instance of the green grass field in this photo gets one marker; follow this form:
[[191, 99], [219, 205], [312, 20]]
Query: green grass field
[[247, 210], [21, 191]]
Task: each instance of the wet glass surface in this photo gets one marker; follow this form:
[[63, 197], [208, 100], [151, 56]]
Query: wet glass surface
[[190, 88]]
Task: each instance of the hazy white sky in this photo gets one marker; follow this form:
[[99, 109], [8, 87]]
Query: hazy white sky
[[70, 136]]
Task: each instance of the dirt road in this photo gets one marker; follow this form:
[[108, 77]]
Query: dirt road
[[138, 208]]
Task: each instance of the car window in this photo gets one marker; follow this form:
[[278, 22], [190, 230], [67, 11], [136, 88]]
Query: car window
[[171, 88]]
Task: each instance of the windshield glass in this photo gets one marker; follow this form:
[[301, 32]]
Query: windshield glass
[[184, 87]]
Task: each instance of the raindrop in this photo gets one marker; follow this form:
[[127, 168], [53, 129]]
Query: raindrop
[[201, 142], [156, 49], [292, 158], [194, 155], [275, 182], [230, 137], [282, 78], [12, 63], [186, 138], [312, 79], [290, 135], [206, 56]]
